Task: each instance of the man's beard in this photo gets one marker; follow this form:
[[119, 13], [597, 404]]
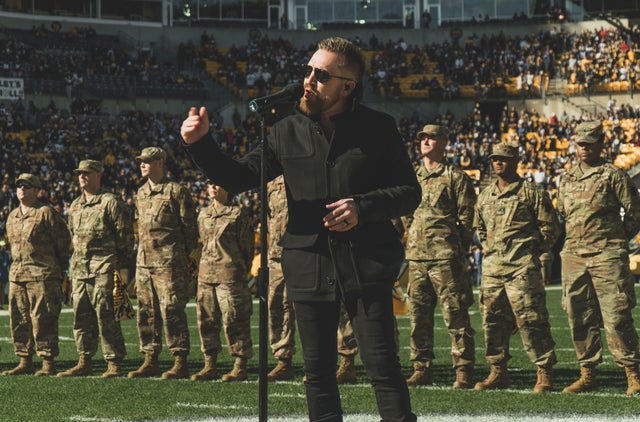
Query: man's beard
[[311, 107]]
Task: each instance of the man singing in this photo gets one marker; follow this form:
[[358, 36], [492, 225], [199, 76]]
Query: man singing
[[347, 173]]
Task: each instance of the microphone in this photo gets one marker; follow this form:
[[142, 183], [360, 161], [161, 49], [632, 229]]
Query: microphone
[[288, 93]]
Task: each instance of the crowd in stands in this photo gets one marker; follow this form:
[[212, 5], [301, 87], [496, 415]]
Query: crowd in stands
[[495, 65], [58, 62], [600, 60], [261, 64]]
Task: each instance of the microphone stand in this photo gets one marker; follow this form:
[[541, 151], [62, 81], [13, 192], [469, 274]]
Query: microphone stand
[[263, 283]]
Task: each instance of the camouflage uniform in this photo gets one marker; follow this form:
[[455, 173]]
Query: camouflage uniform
[[598, 287], [102, 235], [167, 234], [282, 327], [437, 241], [223, 296], [40, 248], [515, 226]]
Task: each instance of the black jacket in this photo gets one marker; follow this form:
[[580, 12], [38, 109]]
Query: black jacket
[[365, 159]]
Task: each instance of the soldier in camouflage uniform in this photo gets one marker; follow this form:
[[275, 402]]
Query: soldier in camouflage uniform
[[102, 235], [438, 240], [282, 327], [167, 236], [224, 298], [597, 285], [516, 222], [40, 242]]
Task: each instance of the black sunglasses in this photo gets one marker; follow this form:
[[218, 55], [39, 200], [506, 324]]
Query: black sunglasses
[[24, 185], [321, 75]]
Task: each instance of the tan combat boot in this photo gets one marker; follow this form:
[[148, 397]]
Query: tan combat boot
[[180, 370], [48, 367], [586, 382], [464, 374], [346, 373], [209, 372], [633, 380], [545, 379], [82, 369], [150, 368], [25, 367], [114, 370], [238, 373], [421, 374], [498, 379], [282, 372]]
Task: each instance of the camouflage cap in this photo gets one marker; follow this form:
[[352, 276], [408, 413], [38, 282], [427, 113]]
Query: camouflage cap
[[438, 132], [504, 149], [29, 178], [87, 166], [150, 154], [589, 132]]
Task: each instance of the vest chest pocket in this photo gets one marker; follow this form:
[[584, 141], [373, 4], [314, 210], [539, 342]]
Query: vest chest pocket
[[518, 211], [91, 221], [578, 193], [34, 231], [493, 214], [600, 196], [437, 195], [164, 213]]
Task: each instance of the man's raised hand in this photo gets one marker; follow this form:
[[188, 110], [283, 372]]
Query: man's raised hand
[[195, 126]]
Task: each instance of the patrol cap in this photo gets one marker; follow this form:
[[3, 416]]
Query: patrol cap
[[437, 132], [30, 179], [89, 166], [150, 154], [589, 132], [504, 149]]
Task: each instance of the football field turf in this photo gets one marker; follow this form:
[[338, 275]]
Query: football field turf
[[31, 398]]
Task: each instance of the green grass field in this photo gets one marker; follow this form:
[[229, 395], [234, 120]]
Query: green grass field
[[94, 399]]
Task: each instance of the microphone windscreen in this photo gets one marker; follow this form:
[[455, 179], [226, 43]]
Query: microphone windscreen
[[295, 90]]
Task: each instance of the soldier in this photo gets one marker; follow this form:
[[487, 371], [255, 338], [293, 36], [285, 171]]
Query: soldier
[[224, 298], [102, 236], [40, 243], [515, 222], [282, 327], [598, 287], [437, 242], [167, 236]]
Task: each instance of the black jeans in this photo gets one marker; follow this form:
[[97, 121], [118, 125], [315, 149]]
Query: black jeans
[[373, 325]]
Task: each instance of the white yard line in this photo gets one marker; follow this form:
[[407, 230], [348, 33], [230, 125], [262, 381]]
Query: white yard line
[[426, 417]]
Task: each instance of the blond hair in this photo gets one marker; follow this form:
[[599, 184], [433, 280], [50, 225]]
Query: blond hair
[[354, 60]]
